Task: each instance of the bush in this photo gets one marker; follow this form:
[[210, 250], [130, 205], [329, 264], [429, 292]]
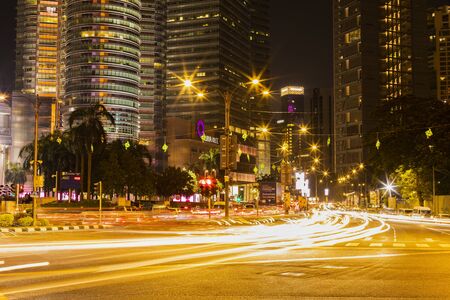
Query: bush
[[43, 222], [6, 220], [26, 221]]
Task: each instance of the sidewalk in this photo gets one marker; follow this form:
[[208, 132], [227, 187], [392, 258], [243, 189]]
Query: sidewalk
[[51, 228]]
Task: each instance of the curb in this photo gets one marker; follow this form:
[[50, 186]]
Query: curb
[[51, 228], [243, 221]]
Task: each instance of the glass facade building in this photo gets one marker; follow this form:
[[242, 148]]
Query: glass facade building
[[103, 60], [153, 75]]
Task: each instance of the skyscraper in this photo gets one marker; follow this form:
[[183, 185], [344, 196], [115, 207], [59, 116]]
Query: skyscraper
[[102, 60], [441, 32], [208, 44], [380, 53], [153, 75], [37, 70]]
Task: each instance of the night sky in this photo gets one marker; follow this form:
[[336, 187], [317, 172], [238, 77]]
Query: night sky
[[301, 37]]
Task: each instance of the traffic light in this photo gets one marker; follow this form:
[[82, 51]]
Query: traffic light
[[208, 186], [98, 188]]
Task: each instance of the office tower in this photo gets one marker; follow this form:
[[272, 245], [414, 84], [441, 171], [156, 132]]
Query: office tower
[[207, 44], [37, 69], [380, 53], [5, 137], [102, 60], [319, 105], [293, 107], [260, 37], [153, 76], [441, 49]]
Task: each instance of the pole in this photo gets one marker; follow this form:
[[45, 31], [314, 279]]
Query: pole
[[35, 162], [17, 195], [56, 186], [209, 208], [257, 206], [227, 156], [100, 188], [434, 183]]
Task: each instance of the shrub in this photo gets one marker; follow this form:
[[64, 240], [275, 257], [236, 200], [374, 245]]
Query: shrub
[[26, 221], [43, 222], [6, 220]]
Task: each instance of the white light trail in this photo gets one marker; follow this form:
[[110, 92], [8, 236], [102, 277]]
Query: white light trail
[[25, 266]]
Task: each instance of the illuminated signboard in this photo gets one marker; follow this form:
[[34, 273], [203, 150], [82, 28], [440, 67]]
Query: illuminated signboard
[[302, 184], [201, 132]]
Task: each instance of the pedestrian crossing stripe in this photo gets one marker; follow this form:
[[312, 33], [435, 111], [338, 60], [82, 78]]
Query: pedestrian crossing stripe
[[399, 245], [376, 245], [445, 245], [423, 245], [352, 245]]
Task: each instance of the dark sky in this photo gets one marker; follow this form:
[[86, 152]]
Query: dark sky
[[301, 37], [302, 42]]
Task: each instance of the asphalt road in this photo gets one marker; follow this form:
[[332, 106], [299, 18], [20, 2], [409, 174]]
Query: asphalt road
[[328, 256]]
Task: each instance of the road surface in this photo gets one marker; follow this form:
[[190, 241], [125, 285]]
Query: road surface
[[331, 254]]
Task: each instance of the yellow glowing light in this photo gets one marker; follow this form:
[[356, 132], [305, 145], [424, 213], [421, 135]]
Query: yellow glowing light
[[188, 83], [354, 171], [325, 173], [255, 81], [3, 97], [200, 95], [266, 93], [361, 166], [316, 160], [304, 129], [314, 147]]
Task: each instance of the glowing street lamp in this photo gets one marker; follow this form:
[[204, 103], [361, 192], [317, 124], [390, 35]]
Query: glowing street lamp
[[187, 83], [304, 129], [389, 187], [255, 81], [361, 166], [201, 95], [3, 97]]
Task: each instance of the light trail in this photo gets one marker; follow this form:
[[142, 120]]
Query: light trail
[[25, 266], [321, 229]]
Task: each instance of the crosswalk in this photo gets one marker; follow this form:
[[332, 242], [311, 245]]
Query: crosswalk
[[372, 244]]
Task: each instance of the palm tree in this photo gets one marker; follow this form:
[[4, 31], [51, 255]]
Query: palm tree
[[15, 174], [210, 159], [88, 132]]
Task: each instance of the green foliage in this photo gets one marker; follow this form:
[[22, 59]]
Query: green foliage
[[6, 220], [25, 221], [409, 187], [15, 174], [404, 133], [128, 167], [43, 222], [210, 159], [175, 181]]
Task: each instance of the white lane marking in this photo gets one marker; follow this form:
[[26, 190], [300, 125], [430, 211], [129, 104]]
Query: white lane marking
[[368, 239], [395, 233], [429, 240], [376, 245], [445, 245], [333, 267], [25, 266], [292, 274], [423, 245], [399, 245], [352, 245]]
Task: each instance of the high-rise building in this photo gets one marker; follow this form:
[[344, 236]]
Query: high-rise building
[[153, 76], [441, 34], [207, 44], [37, 70], [103, 60], [380, 53], [293, 108], [260, 37]]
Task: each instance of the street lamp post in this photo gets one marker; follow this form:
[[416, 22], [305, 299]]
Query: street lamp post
[[35, 162], [227, 149]]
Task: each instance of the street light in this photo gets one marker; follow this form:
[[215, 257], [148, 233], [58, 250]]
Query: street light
[[227, 95]]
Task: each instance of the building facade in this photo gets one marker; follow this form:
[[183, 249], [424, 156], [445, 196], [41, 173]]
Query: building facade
[[380, 53], [103, 61], [441, 49], [152, 98]]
